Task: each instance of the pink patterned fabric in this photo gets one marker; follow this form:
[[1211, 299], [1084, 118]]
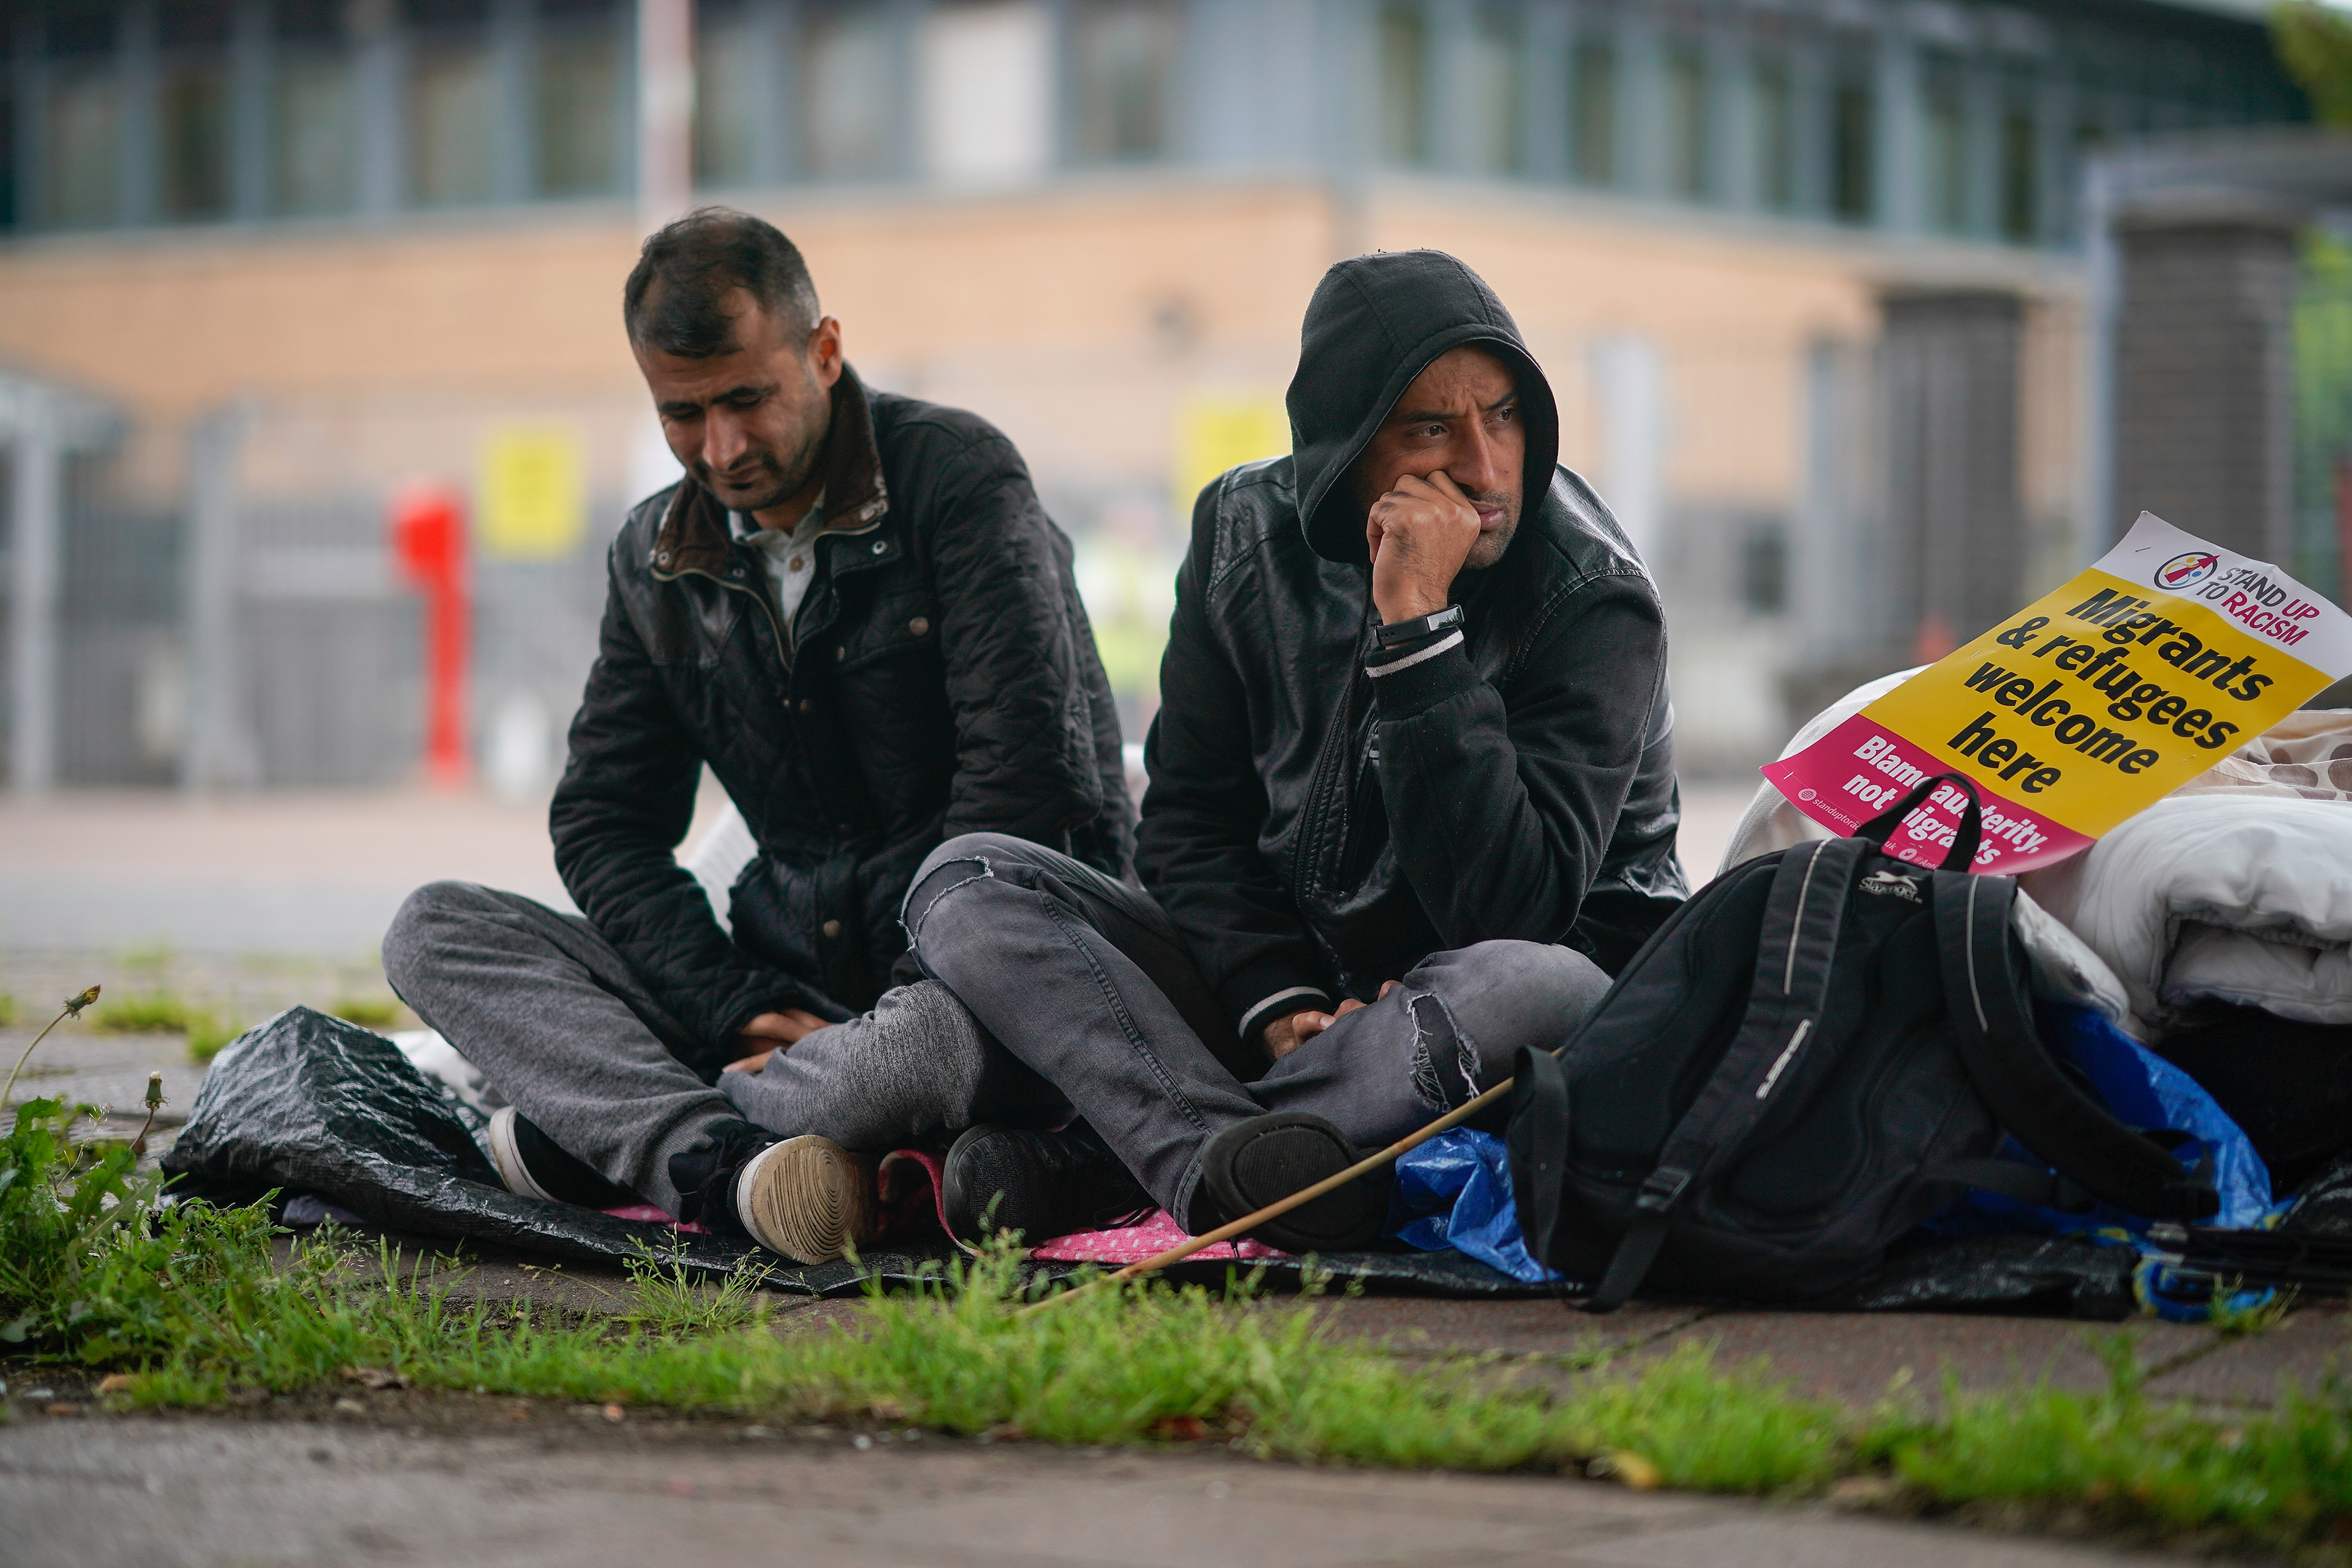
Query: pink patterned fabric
[[1137, 1242], [652, 1215], [902, 1191]]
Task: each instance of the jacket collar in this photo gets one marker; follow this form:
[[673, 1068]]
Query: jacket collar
[[694, 535]]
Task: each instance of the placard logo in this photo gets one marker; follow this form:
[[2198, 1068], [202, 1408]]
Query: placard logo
[[2183, 570]]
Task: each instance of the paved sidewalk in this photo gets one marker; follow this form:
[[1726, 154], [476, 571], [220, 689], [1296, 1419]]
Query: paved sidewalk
[[222, 1491], [319, 874]]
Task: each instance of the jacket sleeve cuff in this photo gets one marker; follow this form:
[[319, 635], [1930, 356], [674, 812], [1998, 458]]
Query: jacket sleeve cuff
[[1269, 985], [1282, 1004], [1417, 682]]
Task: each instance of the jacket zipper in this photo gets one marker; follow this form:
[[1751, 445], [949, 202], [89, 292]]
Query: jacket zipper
[[1334, 781], [783, 644]]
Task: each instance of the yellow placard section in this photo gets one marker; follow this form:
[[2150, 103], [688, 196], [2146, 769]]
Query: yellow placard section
[[2093, 702], [1215, 431], [534, 493]]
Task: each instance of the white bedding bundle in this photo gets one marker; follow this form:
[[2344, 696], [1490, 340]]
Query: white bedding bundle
[[2237, 887]]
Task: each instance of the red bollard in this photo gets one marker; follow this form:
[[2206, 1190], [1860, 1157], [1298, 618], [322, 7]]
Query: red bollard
[[428, 540]]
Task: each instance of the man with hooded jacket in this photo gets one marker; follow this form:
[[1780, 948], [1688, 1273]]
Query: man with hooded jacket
[[1411, 801]]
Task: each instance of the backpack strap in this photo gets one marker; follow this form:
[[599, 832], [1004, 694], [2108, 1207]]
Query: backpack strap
[[2040, 1106], [1539, 1155], [1965, 837], [1795, 951]]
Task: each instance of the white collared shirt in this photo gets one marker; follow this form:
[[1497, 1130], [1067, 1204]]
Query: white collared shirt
[[791, 557]]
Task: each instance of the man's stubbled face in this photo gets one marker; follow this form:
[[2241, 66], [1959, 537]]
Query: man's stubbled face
[[1460, 416], [750, 424]]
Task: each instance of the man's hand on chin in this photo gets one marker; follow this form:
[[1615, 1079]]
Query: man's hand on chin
[[771, 1032], [1285, 1035], [1419, 535]]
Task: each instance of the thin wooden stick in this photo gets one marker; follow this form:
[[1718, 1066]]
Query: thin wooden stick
[[1250, 1222]]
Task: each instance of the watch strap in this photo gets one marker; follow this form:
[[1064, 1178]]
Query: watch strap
[[1400, 632]]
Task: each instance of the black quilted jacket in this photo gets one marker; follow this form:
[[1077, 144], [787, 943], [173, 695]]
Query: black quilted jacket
[[941, 679], [1312, 837]]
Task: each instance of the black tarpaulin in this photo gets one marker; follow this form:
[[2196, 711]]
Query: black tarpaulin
[[311, 1104]]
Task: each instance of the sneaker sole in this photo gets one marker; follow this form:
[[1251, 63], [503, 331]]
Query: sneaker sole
[[808, 1198], [1275, 1155], [508, 1156]]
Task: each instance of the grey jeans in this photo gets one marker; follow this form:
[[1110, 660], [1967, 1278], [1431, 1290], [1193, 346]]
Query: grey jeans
[[1086, 980], [559, 1023]]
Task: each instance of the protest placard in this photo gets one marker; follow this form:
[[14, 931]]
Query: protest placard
[[2085, 706]]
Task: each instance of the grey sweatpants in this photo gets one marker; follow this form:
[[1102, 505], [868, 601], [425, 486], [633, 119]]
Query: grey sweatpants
[[559, 1023]]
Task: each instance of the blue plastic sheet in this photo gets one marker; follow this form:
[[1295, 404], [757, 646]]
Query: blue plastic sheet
[[1455, 1191], [2142, 1089]]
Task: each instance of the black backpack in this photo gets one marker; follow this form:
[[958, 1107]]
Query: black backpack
[[1815, 1053]]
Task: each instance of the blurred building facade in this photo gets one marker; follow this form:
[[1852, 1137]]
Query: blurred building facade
[[1807, 275]]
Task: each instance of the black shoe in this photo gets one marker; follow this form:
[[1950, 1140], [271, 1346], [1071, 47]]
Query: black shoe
[[1265, 1159], [532, 1166], [806, 1197], [1041, 1184]]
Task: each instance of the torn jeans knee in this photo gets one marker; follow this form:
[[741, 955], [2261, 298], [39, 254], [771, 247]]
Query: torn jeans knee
[[1444, 1057], [941, 880]]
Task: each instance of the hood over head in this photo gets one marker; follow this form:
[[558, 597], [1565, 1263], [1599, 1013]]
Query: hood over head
[[1375, 323]]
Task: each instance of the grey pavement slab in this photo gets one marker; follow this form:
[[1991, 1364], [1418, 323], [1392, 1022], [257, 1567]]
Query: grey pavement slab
[[293, 872], [587, 1494], [1855, 1358], [1421, 1325], [2250, 1370]]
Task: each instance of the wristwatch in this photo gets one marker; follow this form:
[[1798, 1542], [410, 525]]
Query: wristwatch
[[1398, 631]]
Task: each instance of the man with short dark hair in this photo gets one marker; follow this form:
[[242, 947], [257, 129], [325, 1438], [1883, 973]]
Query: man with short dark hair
[[1412, 798], [855, 612]]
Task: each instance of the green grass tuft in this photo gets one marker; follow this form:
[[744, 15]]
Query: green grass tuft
[[207, 1033], [367, 1011], [7, 1010], [145, 1013]]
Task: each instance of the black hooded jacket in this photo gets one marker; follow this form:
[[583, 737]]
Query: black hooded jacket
[[940, 678], [1313, 832]]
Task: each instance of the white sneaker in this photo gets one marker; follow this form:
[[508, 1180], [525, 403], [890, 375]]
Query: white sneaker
[[532, 1166], [808, 1198]]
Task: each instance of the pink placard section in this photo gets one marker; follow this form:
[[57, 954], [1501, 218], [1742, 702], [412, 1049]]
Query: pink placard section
[[1861, 768]]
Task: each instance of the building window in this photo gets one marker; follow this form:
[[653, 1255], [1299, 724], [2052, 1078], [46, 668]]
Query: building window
[[452, 104], [80, 177], [986, 81], [312, 135], [1592, 100], [191, 127], [727, 76], [1404, 85], [191, 134], [1123, 64], [1764, 567], [1685, 123], [1943, 152], [10, 217], [849, 93], [1494, 89], [2021, 184], [579, 109], [1850, 196], [1775, 144]]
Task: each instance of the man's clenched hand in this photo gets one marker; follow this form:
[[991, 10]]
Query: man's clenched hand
[[1419, 535], [771, 1032]]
